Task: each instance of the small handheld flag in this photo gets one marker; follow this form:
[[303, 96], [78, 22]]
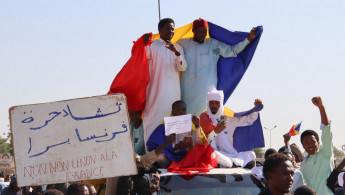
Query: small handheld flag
[[295, 129]]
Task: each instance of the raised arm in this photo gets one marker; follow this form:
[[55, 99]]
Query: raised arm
[[318, 103], [247, 119], [287, 138], [326, 136], [232, 51]]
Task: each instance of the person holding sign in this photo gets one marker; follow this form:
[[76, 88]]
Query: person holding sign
[[178, 151]]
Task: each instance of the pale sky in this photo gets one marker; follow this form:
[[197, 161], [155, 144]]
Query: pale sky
[[54, 50]]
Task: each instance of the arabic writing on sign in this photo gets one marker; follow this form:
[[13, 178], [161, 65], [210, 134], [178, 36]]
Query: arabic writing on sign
[[106, 137], [56, 114]]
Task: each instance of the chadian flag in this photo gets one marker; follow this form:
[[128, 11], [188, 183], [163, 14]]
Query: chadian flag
[[201, 159], [249, 137], [229, 70], [134, 77], [295, 129]]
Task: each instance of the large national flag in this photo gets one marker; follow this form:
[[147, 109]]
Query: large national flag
[[231, 70], [201, 159], [295, 129], [249, 137], [133, 78]]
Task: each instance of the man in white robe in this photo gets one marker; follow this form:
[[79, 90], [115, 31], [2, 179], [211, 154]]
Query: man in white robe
[[220, 133], [165, 60], [202, 56]]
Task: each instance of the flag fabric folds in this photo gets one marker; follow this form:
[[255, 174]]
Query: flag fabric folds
[[201, 159], [249, 137], [133, 78], [295, 129], [231, 70]]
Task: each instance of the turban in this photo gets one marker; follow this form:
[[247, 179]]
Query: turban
[[199, 23], [215, 95]]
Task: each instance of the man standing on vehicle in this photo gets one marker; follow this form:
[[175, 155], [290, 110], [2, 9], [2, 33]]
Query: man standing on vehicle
[[165, 60], [220, 133], [202, 55]]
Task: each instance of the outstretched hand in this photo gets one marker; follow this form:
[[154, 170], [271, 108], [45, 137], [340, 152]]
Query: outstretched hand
[[252, 34], [257, 102], [287, 138], [147, 38]]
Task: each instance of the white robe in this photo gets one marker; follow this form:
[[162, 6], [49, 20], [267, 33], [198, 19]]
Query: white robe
[[164, 86], [223, 145], [202, 69]]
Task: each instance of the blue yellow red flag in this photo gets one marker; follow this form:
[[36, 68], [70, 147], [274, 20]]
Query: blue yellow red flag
[[295, 129]]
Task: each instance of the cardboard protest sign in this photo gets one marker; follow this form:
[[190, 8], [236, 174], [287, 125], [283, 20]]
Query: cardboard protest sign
[[72, 140]]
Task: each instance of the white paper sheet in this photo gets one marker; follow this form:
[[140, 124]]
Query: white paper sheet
[[178, 124]]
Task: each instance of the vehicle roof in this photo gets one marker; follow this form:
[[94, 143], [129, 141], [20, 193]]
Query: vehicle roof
[[214, 171]]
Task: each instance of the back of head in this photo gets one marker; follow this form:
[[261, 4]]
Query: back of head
[[52, 192], [289, 154], [304, 190], [75, 189], [272, 162], [298, 156], [164, 21], [269, 151], [58, 186]]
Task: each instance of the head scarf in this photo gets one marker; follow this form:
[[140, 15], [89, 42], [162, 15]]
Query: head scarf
[[215, 95], [199, 23]]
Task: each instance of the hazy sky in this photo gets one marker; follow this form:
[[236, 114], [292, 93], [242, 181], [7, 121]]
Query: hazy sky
[[62, 49]]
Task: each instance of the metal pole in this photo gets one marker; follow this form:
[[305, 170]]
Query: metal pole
[[159, 9], [270, 138], [271, 134]]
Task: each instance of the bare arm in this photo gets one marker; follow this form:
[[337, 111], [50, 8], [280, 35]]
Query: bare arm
[[317, 101], [169, 140], [287, 140]]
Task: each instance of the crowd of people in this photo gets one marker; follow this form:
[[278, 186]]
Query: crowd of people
[[73, 188], [212, 127], [196, 60]]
